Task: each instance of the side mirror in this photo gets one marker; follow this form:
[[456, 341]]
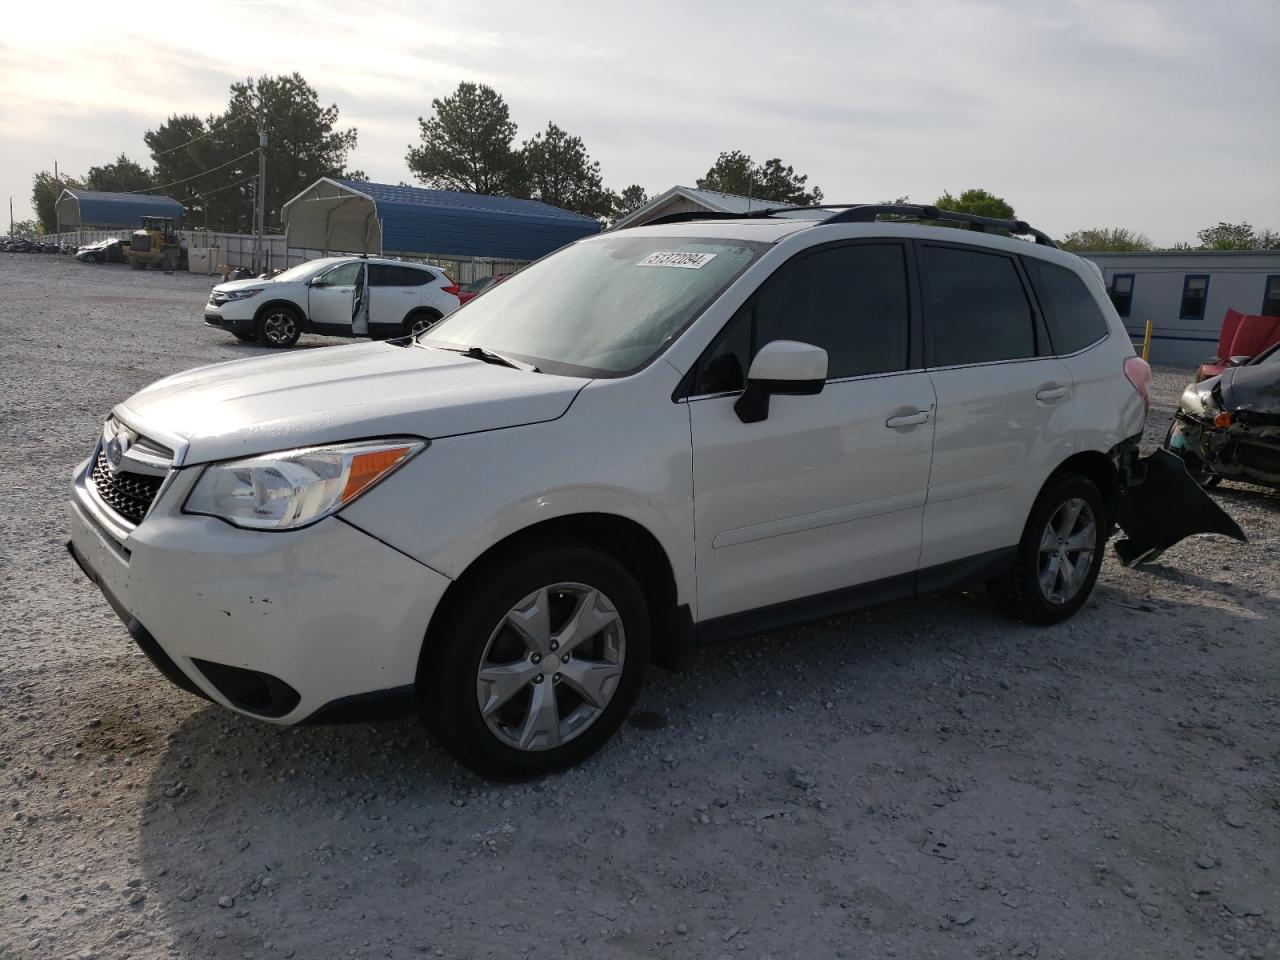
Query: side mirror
[[1238, 361], [783, 367]]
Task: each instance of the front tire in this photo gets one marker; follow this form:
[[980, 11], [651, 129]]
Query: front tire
[[278, 326], [537, 664], [1059, 555]]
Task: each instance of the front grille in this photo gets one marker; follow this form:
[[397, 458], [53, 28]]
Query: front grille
[[128, 494]]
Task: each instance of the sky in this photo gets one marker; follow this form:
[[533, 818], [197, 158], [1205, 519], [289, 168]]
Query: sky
[[1163, 117]]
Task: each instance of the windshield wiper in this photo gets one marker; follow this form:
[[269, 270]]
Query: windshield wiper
[[489, 356]]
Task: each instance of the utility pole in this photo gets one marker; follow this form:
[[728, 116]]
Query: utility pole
[[260, 254], [57, 225], [11, 217]]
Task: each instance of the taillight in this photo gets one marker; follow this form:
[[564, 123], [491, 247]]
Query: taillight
[[1139, 373], [452, 287]]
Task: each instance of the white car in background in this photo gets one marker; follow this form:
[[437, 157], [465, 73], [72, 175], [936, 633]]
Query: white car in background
[[334, 296]]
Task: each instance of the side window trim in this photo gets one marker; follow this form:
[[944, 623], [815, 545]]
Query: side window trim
[[915, 352], [1204, 297], [1039, 331]]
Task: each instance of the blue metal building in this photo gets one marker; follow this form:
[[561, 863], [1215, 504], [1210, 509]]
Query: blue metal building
[[357, 217], [93, 208]]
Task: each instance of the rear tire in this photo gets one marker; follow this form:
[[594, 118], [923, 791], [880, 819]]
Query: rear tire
[[420, 322], [278, 326], [1059, 555], [509, 641]]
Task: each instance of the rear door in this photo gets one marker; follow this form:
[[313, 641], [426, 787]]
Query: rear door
[[394, 290], [827, 492], [1004, 402], [335, 299]]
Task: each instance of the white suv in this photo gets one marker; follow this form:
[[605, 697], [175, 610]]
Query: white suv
[[338, 296], [653, 438]]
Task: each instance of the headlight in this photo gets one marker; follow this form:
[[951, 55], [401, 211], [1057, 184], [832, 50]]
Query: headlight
[[290, 489], [240, 294]]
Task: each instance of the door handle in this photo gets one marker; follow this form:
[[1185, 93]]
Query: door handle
[[1051, 393], [908, 419]]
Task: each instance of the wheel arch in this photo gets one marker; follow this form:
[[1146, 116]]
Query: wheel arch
[[1095, 466], [620, 537], [421, 311], [282, 302]]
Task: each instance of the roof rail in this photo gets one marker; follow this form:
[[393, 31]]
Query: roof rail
[[869, 213]]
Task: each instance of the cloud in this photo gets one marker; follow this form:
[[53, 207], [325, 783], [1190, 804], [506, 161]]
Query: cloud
[[1151, 115]]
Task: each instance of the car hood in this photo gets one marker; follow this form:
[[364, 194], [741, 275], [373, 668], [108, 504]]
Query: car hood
[[327, 395], [240, 284], [1251, 389]]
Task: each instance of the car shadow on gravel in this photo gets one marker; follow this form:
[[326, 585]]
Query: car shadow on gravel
[[247, 827]]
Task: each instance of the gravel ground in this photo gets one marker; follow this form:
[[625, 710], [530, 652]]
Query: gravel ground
[[924, 779]]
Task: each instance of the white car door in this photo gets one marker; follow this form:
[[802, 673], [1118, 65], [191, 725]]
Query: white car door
[[828, 492], [1004, 405], [394, 290], [335, 299]]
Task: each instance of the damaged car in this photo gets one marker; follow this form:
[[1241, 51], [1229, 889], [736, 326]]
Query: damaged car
[[654, 438], [1228, 426]]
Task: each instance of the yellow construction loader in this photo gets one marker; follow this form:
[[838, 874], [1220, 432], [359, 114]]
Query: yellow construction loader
[[157, 244]]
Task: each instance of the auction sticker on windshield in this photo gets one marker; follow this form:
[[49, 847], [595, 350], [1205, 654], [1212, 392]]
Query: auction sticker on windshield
[[689, 261]]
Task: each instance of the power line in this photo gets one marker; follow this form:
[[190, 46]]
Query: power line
[[208, 133], [201, 196], [175, 183]]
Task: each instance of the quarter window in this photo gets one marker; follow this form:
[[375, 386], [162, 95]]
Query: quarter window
[[1122, 293], [1271, 297], [1195, 290], [978, 310], [849, 300], [1070, 312]]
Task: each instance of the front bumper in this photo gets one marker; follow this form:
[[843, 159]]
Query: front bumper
[[229, 316], [328, 611], [1245, 450]]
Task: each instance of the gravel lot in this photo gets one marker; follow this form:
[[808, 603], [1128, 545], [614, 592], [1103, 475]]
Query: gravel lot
[[920, 780]]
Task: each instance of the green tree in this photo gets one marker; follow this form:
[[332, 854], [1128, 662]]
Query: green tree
[[1228, 236], [1110, 239], [557, 170], [978, 202], [45, 190], [25, 228], [211, 166], [466, 145], [120, 176], [734, 172], [631, 198]]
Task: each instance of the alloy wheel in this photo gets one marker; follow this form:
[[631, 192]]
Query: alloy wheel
[[1066, 550], [422, 325], [551, 666], [280, 327]]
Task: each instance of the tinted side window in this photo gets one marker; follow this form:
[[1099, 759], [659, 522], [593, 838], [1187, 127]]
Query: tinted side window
[[851, 301], [389, 275], [978, 311], [1070, 312]]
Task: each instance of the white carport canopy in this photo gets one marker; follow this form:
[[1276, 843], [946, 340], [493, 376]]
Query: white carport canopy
[[331, 216]]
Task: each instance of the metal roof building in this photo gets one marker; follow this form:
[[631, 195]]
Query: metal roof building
[[93, 208], [359, 217], [690, 200]]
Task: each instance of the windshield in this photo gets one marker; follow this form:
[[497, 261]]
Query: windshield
[[304, 270], [602, 307]]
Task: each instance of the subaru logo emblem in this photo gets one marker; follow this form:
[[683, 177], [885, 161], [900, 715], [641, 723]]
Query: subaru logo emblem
[[115, 452]]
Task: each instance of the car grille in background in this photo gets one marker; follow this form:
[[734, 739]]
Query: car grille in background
[[128, 494]]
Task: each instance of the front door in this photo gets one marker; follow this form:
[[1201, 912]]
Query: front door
[[828, 492], [1003, 401], [335, 299]]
